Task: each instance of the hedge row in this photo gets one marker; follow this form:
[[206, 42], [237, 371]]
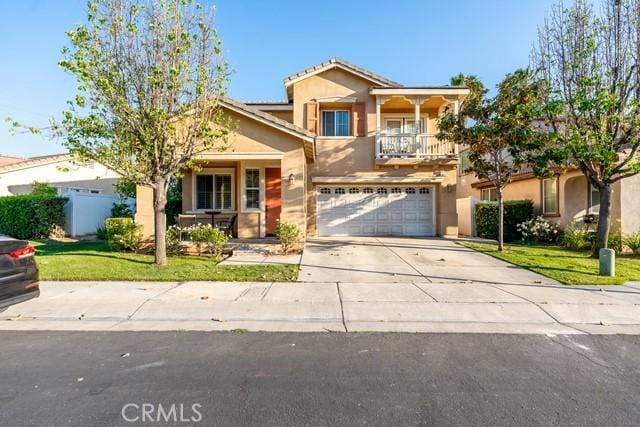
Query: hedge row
[[515, 212], [31, 216]]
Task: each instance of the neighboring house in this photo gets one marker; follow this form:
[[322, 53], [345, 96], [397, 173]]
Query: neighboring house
[[348, 153], [90, 187], [562, 199], [58, 171]]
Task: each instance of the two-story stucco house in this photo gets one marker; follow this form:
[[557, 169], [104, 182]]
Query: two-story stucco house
[[348, 153]]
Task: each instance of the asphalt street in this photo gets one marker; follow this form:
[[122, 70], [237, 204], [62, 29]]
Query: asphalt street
[[223, 378]]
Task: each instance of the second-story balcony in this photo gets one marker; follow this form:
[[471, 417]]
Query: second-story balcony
[[406, 124], [413, 146]]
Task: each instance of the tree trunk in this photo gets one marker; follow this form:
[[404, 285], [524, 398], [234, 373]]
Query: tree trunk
[[160, 220], [604, 214], [500, 219]]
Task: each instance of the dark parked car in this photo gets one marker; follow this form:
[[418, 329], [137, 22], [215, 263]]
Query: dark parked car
[[18, 272]]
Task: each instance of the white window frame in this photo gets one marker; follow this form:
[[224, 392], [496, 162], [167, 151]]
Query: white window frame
[[593, 208], [403, 117], [349, 130], [213, 172], [489, 190], [260, 189], [557, 197]]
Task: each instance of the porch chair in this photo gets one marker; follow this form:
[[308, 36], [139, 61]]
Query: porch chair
[[227, 225]]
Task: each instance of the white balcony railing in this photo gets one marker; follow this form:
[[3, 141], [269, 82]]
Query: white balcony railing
[[412, 146]]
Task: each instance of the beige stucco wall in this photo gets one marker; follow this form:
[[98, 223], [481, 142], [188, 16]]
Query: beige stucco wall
[[630, 204]]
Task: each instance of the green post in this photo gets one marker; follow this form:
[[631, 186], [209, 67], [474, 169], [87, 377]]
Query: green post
[[607, 262]]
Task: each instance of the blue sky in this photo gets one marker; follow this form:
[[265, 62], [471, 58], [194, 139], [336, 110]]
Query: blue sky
[[418, 42]]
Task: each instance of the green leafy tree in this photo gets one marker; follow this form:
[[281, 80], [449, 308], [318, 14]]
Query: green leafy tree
[[150, 76], [591, 60], [498, 131]]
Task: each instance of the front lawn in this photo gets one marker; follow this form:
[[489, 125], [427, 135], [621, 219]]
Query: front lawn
[[563, 265], [94, 261]]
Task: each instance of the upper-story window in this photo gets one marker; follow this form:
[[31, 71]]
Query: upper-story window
[[335, 123]]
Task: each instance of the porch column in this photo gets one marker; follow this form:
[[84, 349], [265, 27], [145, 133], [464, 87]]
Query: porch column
[[456, 108], [420, 149]]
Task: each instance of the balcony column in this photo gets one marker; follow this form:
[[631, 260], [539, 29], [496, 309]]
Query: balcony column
[[379, 103], [456, 108], [417, 128]]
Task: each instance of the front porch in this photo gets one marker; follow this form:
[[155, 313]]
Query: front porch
[[247, 190]]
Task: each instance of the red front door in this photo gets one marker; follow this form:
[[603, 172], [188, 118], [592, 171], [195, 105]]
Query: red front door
[[273, 196]]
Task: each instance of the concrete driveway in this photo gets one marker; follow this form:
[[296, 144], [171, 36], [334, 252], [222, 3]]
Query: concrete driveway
[[397, 259]]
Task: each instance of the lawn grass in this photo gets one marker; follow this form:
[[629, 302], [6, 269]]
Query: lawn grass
[[94, 261], [565, 266]]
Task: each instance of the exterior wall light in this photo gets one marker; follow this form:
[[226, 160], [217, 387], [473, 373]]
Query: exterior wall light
[[292, 179]]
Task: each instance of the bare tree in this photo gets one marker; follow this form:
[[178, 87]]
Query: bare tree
[[150, 76], [591, 60]]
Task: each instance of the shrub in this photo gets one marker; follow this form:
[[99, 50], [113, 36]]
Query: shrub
[[205, 236], [217, 241], [515, 212], [615, 240], [31, 216], [43, 189], [121, 210], [199, 235], [101, 233], [174, 245], [123, 234], [632, 241], [288, 235], [576, 238], [538, 230]]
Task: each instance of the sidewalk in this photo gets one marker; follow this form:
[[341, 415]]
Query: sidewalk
[[339, 307]]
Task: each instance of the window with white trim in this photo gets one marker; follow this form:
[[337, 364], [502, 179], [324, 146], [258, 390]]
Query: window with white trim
[[214, 191], [489, 194], [339, 191], [252, 188], [325, 191], [550, 196], [594, 200], [335, 123]]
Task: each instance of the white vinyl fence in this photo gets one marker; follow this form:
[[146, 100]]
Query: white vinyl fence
[[85, 212]]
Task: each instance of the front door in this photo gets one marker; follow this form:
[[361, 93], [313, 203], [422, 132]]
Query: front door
[[273, 196]]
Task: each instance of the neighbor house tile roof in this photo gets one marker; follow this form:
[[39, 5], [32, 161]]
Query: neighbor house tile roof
[[7, 160], [34, 161]]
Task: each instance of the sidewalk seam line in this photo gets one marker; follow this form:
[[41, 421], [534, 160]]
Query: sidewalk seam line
[[344, 323], [542, 309], [130, 316], [404, 260], [424, 292]]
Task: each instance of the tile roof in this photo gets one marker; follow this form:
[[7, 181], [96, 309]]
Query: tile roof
[[7, 160], [276, 121], [34, 161], [345, 64]]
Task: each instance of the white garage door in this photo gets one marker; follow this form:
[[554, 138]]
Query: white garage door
[[391, 210]]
